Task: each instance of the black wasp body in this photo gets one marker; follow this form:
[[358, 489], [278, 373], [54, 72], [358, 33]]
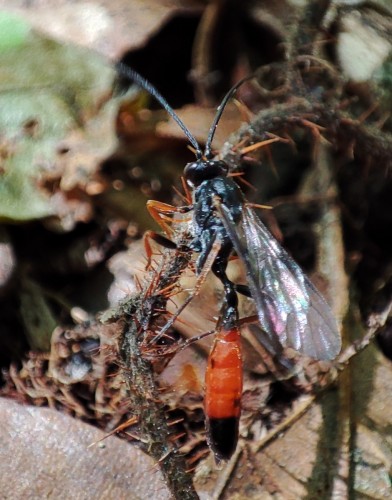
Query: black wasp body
[[210, 184], [290, 310], [207, 225]]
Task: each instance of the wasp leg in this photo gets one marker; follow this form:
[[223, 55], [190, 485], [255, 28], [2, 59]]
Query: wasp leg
[[160, 239], [243, 290], [208, 264], [219, 269], [162, 213], [231, 298]]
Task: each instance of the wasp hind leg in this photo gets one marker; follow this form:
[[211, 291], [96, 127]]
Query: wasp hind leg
[[243, 290]]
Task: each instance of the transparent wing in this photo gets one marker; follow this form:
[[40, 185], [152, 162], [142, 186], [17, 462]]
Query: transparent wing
[[291, 311]]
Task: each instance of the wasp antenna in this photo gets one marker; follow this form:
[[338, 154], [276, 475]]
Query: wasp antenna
[[219, 111], [133, 75]]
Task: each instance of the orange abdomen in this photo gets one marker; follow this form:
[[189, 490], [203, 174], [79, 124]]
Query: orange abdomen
[[223, 392]]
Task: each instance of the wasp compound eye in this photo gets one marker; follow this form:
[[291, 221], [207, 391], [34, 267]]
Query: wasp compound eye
[[199, 171]]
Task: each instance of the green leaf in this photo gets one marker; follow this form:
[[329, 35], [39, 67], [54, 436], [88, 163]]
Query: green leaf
[[47, 90], [13, 31]]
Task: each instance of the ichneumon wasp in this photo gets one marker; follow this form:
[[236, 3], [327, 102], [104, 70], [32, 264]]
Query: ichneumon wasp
[[291, 311]]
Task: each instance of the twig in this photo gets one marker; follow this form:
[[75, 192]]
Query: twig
[[153, 424], [140, 311], [340, 129]]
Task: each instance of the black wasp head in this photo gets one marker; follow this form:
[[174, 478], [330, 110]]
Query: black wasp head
[[201, 170]]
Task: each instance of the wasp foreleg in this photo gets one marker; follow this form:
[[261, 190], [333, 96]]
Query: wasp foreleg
[[163, 214]]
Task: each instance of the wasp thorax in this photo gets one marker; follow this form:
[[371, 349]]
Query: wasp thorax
[[201, 170]]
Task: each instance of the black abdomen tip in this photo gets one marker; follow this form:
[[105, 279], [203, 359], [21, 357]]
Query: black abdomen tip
[[222, 436]]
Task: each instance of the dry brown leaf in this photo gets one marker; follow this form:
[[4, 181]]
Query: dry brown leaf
[[46, 454]]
